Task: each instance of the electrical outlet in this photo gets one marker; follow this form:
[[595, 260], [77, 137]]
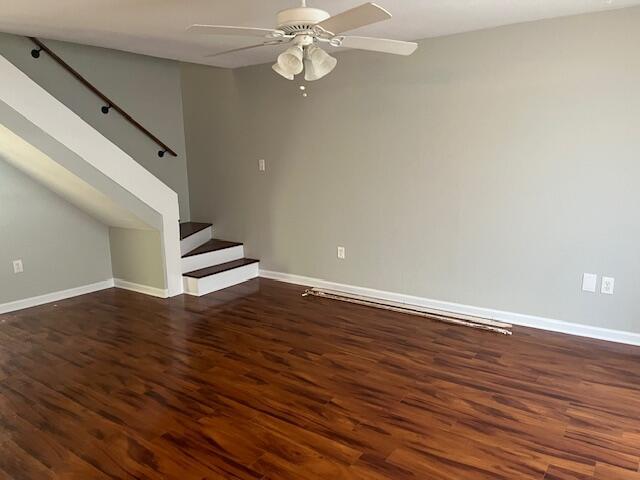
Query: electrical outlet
[[589, 281], [17, 266], [342, 254], [607, 285], [262, 166]]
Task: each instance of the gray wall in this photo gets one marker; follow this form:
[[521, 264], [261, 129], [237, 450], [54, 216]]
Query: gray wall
[[491, 168], [137, 256], [147, 88], [32, 222]]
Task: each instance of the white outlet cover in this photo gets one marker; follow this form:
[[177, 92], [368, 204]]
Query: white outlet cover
[[608, 284], [262, 166], [17, 266], [589, 282], [341, 253]]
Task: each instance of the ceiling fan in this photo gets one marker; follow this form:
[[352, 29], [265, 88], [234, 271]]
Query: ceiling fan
[[306, 29]]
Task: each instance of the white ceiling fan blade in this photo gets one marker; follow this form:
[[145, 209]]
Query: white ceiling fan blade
[[365, 14], [265, 44], [397, 47], [235, 50], [241, 31]]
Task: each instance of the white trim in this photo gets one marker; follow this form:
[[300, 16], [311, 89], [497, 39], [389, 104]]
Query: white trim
[[55, 296], [532, 321], [136, 287], [194, 240], [524, 320], [205, 285], [209, 259]]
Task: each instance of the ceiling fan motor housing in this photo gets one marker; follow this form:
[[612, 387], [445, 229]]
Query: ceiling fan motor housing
[[296, 20]]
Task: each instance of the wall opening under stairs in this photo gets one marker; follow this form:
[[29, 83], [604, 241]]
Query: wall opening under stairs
[[49, 142]]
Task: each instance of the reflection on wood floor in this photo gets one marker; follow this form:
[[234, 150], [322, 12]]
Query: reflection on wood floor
[[255, 382]]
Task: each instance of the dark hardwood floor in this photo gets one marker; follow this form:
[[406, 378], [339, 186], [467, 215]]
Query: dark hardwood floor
[[256, 382]]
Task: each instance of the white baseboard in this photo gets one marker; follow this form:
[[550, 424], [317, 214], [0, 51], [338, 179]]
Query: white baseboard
[[55, 296], [83, 290], [136, 287], [523, 320]]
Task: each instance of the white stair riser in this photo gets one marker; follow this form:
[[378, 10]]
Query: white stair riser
[[209, 259], [213, 283], [195, 240]]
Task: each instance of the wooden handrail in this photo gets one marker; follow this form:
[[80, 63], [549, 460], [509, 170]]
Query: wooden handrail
[[35, 53]]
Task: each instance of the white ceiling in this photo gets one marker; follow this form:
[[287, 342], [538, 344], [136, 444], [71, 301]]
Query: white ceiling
[[157, 27]]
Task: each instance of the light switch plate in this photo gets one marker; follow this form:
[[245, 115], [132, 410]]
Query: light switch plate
[[608, 283], [341, 253], [589, 282], [262, 165]]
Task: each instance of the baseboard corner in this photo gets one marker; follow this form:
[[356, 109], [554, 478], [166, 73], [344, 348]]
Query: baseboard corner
[[139, 288]]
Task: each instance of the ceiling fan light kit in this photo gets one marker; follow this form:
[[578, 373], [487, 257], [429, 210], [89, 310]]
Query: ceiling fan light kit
[[319, 63], [278, 69], [307, 28], [290, 61]]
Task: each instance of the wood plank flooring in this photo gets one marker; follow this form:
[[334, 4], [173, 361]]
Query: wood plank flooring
[[256, 382]]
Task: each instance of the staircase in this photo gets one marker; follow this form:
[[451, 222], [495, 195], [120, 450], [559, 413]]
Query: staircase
[[209, 264]]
